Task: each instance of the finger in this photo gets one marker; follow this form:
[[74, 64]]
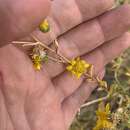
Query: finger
[[104, 54], [5, 122], [70, 108], [70, 13], [90, 35], [15, 69], [18, 84], [19, 18]]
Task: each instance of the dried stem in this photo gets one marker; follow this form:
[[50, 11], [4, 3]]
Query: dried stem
[[38, 42], [95, 101], [48, 48], [21, 42], [54, 59]]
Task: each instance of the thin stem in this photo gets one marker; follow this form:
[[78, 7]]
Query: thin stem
[[45, 46], [34, 44], [53, 59], [95, 101], [116, 77], [22, 42], [57, 44], [48, 48]]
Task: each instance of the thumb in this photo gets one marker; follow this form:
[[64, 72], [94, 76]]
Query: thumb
[[20, 17]]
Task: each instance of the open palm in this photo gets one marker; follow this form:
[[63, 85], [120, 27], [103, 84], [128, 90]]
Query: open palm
[[48, 99]]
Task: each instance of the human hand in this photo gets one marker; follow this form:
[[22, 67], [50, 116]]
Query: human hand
[[48, 99]]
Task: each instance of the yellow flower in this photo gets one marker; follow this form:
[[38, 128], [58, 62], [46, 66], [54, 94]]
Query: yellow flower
[[38, 56], [78, 67], [37, 62], [103, 121], [37, 66], [44, 26]]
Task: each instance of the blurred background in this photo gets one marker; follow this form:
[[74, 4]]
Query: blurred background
[[118, 78]]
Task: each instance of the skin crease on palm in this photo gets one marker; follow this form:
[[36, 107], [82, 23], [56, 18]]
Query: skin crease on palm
[[48, 99]]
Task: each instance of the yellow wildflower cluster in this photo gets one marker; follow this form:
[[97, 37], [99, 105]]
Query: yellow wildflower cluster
[[37, 62], [44, 26], [38, 56], [78, 67], [103, 121]]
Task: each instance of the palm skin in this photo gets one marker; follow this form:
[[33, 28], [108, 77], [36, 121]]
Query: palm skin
[[48, 99], [31, 90]]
